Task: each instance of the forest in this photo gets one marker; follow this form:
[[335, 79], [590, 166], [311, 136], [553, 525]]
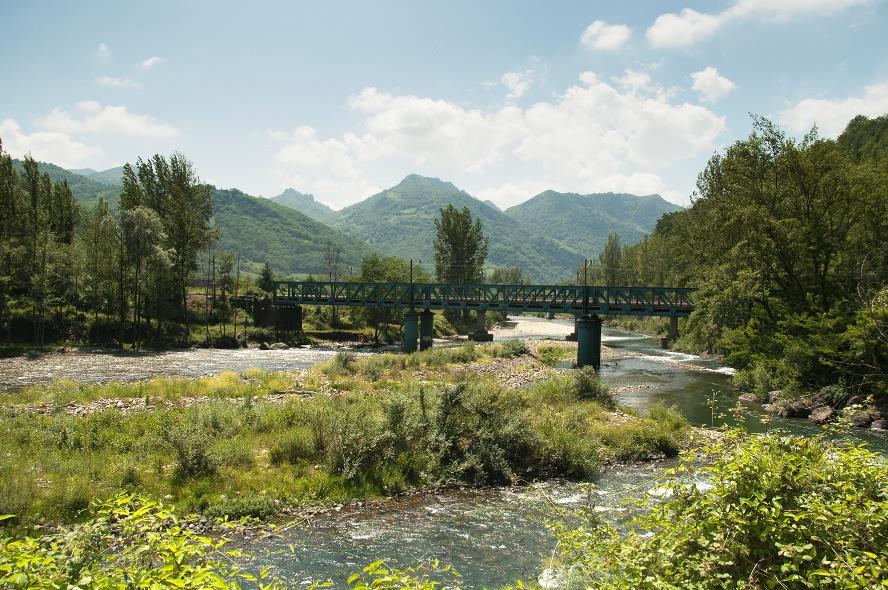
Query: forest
[[786, 241]]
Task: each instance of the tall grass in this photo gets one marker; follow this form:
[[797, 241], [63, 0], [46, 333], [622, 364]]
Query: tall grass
[[238, 459]]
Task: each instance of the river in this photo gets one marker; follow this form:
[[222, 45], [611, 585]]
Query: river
[[492, 537]]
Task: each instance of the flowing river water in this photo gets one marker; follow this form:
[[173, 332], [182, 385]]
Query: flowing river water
[[492, 536]]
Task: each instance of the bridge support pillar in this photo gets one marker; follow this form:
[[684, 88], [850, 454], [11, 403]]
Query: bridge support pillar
[[589, 342], [481, 334], [673, 328], [410, 332], [426, 329]]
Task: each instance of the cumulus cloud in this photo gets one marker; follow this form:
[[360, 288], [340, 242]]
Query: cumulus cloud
[[117, 82], [596, 136], [603, 36], [103, 51], [517, 82], [92, 117], [832, 115], [689, 26], [48, 146], [711, 85], [153, 61]]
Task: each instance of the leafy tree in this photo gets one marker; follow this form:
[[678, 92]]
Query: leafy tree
[[385, 269], [266, 278], [143, 236], [460, 246], [509, 276]]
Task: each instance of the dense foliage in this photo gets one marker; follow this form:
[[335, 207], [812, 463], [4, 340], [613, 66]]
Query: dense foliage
[[772, 511], [787, 241], [131, 542]]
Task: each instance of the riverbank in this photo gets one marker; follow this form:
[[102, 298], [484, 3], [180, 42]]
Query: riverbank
[[257, 443]]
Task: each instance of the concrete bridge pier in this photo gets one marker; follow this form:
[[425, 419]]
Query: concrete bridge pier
[[410, 332], [673, 328], [589, 342], [426, 329], [481, 334]]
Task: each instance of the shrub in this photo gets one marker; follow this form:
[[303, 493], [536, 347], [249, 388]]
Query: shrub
[[588, 386], [130, 541], [292, 448], [510, 348], [779, 512], [191, 447]]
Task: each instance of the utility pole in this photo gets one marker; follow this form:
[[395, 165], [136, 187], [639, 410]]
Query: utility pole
[[236, 285]]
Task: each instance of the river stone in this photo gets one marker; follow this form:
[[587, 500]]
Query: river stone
[[263, 346], [773, 396], [821, 415], [881, 424], [749, 397], [770, 408], [278, 346]]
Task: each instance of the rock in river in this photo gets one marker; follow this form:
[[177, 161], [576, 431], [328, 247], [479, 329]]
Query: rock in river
[[821, 414]]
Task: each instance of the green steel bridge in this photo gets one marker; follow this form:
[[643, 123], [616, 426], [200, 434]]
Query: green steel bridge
[[418, 300]]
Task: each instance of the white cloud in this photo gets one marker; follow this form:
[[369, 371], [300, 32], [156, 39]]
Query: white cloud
[[48, 146], [832, 115], [92, 117], [711, 85], [117, 82], [103, 51], [153, 61], [604, 36], [686, 28], [689, 26], [596, 136], [517, 83]]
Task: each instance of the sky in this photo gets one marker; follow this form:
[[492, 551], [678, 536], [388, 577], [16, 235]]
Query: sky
[[505, 99]]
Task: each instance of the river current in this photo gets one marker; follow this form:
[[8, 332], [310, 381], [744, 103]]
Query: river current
[[492, 537]]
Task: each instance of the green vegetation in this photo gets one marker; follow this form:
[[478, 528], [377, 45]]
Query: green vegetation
[[770, 511], [400, 222], [351, 428], [131, 542], [775, 512], [262, 230], [307, 205], [584, 221], [786, 243]]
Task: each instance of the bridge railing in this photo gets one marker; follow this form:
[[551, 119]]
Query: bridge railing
[[556, 298]]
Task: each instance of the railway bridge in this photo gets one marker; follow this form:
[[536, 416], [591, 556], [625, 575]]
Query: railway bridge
[[418, 300]]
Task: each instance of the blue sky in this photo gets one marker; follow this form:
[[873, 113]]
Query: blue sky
[[505, 99]]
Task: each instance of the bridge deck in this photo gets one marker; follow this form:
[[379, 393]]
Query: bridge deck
[[644, 301]]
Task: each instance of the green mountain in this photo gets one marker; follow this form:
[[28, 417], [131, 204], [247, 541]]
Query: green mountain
[[400, 221], [260, 229], [584, 221], [256, 228], [111, 176], [86, 190], [305, 204]]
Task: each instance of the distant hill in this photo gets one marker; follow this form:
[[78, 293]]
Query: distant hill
[[400, 221], [256, 228], [584, 221], [306, 204], [86, 190], [260, 229], [111, 176]]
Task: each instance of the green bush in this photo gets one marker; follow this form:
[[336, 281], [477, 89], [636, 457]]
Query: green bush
[[776, 511], [191, 448], [292, 448], [587, 386], [131, 542]]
